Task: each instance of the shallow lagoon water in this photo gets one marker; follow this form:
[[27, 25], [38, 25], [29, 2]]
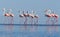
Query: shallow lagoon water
[[29, 31]]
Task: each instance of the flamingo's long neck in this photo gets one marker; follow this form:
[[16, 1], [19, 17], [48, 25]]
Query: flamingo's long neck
[[48, 12]]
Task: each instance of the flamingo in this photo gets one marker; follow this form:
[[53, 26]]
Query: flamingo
[[11, 15], [36, 22], [21, 15], [35, 16], [32, 19], [56, 19], [5, 14], [8, 14], [25, 15], [11, 18], [51, 15]]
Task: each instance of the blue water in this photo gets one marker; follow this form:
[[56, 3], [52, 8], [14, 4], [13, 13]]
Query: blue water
[[29, 31]]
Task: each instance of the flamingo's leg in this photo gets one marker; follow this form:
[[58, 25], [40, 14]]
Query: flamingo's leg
[[11, 26], [32, 28], [25, 23], [7, 21], [56, 27], [48, 22], [36, 24]]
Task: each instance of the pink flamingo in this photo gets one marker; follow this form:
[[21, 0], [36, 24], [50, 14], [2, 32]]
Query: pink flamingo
[[25, 15], [11, 15], [8, 14], [5, 14], [21, 15], [51, 15], [32, 19], [11, 19]]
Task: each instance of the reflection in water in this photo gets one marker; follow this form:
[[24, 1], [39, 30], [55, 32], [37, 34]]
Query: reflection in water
[[19, 31]]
